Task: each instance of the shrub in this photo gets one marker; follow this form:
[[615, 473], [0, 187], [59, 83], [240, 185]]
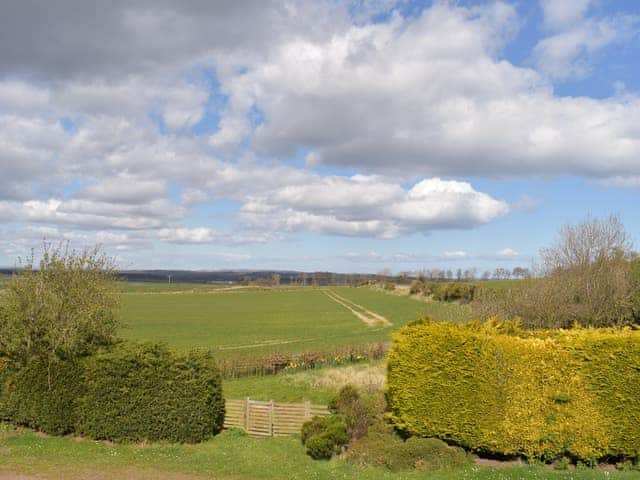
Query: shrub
[[495, 388], [324, 436], [30, 397], [359, 410], [417, 286], [146, 392], [451, 291], [383, 448]]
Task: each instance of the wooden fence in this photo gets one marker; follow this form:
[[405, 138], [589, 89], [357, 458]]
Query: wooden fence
[[269, 419]]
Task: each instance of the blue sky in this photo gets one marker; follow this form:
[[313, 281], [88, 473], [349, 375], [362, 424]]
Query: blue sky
[[347, 136]]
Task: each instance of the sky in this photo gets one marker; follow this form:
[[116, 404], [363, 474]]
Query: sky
[[349, 136]]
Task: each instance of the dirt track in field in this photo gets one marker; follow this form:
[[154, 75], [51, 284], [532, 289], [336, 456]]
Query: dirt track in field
[[364, 314], [126, 474]]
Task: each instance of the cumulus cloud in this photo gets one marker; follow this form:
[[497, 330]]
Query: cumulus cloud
[[96, 127], [370, 206], [426, 96], [508, 252]]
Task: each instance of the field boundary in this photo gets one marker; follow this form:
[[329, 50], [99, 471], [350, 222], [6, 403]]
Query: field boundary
[[270, 419]]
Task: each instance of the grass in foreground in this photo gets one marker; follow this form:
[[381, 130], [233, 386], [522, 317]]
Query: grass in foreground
[[229, 455]]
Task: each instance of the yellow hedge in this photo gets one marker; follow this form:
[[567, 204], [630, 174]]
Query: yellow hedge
[[498, 389]]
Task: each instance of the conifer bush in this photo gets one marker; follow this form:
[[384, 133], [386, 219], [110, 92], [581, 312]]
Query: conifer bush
[[497, 389]]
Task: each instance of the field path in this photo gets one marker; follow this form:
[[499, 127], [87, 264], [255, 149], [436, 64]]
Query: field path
[[364, 314]]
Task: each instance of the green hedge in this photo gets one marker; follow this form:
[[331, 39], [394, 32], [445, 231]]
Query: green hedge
[[130, 392], [149, 393], [542, 394], [30, 397]]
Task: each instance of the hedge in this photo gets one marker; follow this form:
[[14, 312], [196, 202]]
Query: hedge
[[496, 389], [130, 392], [30, 397], [149, 393]]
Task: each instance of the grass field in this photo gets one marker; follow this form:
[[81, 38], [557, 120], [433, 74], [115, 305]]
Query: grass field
[[317, 386], [230, 455], [155, 287], [259, 321]]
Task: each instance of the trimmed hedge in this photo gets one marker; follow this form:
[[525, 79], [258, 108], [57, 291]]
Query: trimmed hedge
[[27, 398], [149, 393], [129, 392], [497, 389]]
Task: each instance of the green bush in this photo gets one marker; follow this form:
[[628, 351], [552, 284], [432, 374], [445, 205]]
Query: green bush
[[325, 436], [451, 291], [127, 392], [29, 397], [498, 389], [359, 410], [382, 447], [146, 392]]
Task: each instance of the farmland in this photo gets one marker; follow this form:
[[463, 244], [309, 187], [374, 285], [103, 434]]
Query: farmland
[[249, 322]]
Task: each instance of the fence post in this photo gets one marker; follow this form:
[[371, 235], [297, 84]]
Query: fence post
[[246, 414], [271, 418], [307, 410]]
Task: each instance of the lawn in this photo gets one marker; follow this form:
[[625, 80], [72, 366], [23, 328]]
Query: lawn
[[260, 321], [231, 455]]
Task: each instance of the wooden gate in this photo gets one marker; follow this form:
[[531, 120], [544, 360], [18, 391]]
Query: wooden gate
[[268, 419]]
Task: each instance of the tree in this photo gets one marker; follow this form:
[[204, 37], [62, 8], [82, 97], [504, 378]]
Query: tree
[[64, 308], [588, 277]]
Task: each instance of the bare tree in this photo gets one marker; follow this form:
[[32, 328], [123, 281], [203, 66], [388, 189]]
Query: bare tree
[[587, 243], [588, 279]]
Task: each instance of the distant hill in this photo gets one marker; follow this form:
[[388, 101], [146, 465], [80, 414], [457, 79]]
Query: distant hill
[[286, 277]]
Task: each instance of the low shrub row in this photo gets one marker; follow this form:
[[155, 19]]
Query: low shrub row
[[463, 292], [495, 388], [235, 367], [129, 392]]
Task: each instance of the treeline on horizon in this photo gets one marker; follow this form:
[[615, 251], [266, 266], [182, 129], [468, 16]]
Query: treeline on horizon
[[290, 277]]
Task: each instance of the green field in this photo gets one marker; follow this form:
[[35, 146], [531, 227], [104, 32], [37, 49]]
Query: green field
[[155, 287], [259, 321], [318, 386]]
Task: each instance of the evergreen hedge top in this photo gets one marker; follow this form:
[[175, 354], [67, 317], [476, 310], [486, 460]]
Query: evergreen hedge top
[[496, 388]]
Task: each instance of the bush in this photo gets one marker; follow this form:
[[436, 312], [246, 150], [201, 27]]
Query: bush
[[127, 392], [324, 436], [359, 410], [417, 286], [451, 291], [497, 389], [383, 448], [27, 399], [146, 392]]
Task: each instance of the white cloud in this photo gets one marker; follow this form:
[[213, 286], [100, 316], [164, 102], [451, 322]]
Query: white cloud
[[575, 38], [632, 181], [455, 254], [427, 96], [559, 14], [508, 252], [402, 101], [371, 206]]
